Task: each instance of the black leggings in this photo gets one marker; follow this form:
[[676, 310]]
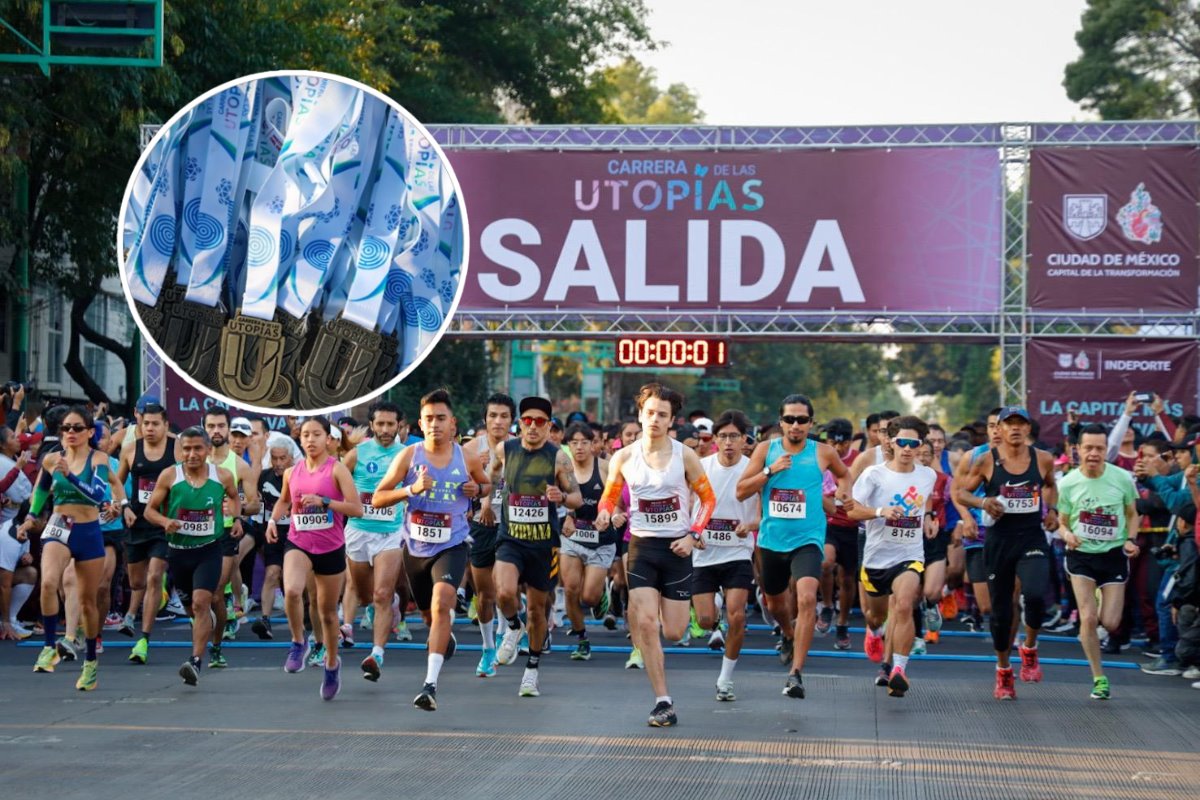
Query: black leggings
[[1008, 557]]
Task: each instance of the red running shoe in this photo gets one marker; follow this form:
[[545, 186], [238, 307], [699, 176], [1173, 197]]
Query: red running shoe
[[897, 682], [873, 646], [949, 606], [1031, 670], [1005, 686]]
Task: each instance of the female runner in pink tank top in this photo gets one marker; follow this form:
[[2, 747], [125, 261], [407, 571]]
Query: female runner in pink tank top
[[319, 494]]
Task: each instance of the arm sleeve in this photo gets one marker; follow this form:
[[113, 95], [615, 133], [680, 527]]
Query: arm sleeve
[[1116, 435], [708, 502]]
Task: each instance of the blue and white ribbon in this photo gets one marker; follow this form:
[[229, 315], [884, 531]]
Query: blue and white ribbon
[[154, 247]]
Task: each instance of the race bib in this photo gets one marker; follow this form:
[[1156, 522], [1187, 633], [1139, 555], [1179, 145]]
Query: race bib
[[1021, 499], [528, 508], [787, 504], [59, 528], [427, 526], [145, 488], [312, 519], [903, 528], [660, 513], [380, 514], [1098, 526], [585, 532], [197, 523], [720, 532]]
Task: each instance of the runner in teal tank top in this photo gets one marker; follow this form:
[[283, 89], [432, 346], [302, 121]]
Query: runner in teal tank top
[[373, 541], [788, 473]]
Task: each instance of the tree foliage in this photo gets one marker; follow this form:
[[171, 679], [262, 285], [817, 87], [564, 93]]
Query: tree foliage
[[1140, 59], [633, 96], [470, 61]]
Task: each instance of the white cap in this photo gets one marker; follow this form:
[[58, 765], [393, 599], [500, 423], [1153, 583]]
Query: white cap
[[240, 425], [336, 433], [703, 425]]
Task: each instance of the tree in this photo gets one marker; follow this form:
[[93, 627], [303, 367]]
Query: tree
[[962, 379], [634, 97], [1140, 59], [458, 60]]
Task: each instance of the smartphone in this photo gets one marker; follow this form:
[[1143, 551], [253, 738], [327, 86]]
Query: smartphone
[[1143, 397]]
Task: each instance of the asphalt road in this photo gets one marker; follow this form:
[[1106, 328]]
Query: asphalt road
[[254, 731]]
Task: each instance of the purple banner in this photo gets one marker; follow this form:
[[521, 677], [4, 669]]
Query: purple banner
[[1114, 228], [1093, 378], [863, 230]]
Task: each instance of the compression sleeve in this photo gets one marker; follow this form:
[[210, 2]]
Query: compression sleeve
[[41, 493], [612, 493], [708, 502]]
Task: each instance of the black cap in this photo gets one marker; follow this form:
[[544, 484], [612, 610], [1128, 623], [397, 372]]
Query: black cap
[[535, 403], [555, 423]]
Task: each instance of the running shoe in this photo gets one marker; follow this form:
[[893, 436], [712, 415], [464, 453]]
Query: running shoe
[[949, 606], [1100, 688], [1191, 673], [663, 716], [473, 611], [686, 641], [451, 648], [67, 649], [725, 691], [346, 632], [190, 671], [932, 637], [600, 610], [368, 620], [487, 664], [635, 660], [460, 604], [99, 645], [885, 674], [331, 683], [371, 667], [825, 620], [794, 687], [175, 606], [1006, 688], [427, 699], [87, 678], [716, 640], [20, 631], [232, 625], [694, 629], [918, 648], [842, 642], [1031, 669], [126, 627], [582, 651], [316, 655], [1163, 666], [1053, 619], [216, 659], [897, 683], [784, 647], [297, 657], [933, 619], [112, 621], [140, 653], [262, 628], [610, 621], [529, 684], [873, 646], [402, 632], [507, 652]]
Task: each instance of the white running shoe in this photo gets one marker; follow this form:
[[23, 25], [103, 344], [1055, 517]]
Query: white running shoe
[[507, 652]]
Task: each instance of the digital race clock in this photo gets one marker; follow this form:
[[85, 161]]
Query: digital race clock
[[671, 351]]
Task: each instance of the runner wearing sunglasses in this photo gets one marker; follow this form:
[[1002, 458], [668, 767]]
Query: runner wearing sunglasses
[[893, 499], [538, 477], [789, 473]]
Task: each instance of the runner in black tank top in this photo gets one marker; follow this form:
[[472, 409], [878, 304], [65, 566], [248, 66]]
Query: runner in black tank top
[[147, 550], [1019, 482], [586, 554]]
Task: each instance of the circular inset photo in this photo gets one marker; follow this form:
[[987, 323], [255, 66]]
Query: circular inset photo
[[293, 240]]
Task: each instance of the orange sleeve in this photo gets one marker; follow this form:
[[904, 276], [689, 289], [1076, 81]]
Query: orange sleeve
[[708, 502], [612, 492]]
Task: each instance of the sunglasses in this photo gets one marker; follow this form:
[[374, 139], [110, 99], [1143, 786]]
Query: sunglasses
[[908, 444], [800, 419], [74, 428], [534, 422]]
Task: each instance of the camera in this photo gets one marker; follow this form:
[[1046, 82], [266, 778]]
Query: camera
[[1143, 397]]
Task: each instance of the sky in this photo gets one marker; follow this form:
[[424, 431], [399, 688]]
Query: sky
[[775, 62]]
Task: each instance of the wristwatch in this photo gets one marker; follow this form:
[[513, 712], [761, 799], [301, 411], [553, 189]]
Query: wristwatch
[[767, 471], [325, 501], [695, 536]]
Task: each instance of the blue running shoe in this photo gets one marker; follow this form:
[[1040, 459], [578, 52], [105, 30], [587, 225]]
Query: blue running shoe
[[487, 664]]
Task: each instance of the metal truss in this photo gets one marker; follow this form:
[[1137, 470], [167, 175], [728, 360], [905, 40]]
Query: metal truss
[[1113, 324], [876, 326]]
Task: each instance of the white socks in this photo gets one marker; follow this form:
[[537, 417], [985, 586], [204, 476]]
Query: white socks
[[727, 665], [434, 667]]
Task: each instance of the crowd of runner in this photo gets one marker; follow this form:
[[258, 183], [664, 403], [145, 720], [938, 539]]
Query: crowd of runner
[[672, 525]]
